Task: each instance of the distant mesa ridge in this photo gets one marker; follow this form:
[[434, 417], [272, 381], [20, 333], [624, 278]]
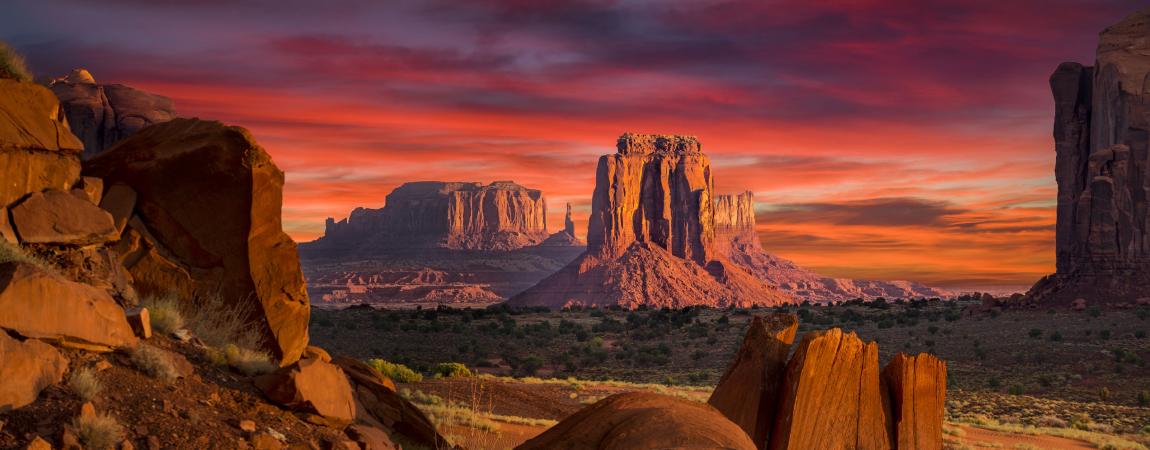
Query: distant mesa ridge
[[1102, 143], [737, 240], [502, 215]]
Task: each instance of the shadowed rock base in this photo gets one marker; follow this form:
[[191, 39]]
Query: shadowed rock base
[[748, 392]]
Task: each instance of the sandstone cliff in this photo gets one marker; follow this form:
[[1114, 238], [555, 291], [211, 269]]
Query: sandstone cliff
[[651, 236], [101, 115], [1102, 139], [455, 215]]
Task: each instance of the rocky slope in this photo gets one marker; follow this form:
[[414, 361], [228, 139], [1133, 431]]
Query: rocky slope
[[103, 114], [1102, 140], [183, 218], [737, 240], [651, 236], [454, 215]]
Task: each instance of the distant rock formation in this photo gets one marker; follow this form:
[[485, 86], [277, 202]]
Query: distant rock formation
[[566, 237], [101, 115], [1102, 140], [651, 235], [455, 215], [737, 240], [199, 232]]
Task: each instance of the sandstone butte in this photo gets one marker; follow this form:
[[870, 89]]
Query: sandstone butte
[[1102, 143], [651, 236], [453, 215], [101, 115], [203, 233], [737, 241]]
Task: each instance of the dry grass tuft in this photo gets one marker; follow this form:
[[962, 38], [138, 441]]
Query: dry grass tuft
[[247, 362], [164, 312], [84, 384], [99, 431], [12, 65], [10, 252], [154, 362]]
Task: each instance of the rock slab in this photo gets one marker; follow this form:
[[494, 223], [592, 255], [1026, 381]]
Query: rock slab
[[311, 385], [58, 217], [27, 368], [37, 149], [918, 399], [207, 221], [747, 394], [39, 304]]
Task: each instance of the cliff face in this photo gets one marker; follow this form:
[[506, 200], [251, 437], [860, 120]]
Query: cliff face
[[651, 236], [737, 241], [655, 189], [1102, 135], [464, 216], [101, 115]]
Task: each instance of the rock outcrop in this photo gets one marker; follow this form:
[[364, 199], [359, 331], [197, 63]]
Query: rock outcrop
[[565, 237], [210, 232], [640, 420], [1102, 140], [58, 217], [832, 396], [737, 241], [748, 391], [312, 385], [38, 304], [37, 150], [378, 404], [918, 399], [651, 235], [455, 215], [26, 368], [102, 115]]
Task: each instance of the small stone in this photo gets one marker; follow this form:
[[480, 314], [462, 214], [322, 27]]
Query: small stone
[[102, 365], [69, 441], [248, 426], [127, 445], [166, 406], [153, 443], [87, 410], [182, 335], [265, 441], [140, 321], [38, 443]]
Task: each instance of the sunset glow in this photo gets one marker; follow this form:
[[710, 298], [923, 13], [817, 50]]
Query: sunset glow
[[882, 139]]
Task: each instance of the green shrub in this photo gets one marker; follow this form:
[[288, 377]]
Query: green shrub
[[12, 65], [397, 372], [1016, 389], [452, 369]]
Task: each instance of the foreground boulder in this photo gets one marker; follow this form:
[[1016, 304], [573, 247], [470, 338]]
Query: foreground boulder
[[101, 115], [748, 392], [311, 385], [918, 399], [832, 397], [37, 150], [378, 405], [208, 222], [38, 304], [640, 420], [26, 368], [58, 217]]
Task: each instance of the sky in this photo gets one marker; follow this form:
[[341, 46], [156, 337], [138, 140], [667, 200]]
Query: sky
[[899, 139]]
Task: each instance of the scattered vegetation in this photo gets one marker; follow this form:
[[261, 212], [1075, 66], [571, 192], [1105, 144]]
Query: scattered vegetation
[[12, 65], [247, 362], [397, 372], [164, 312], [154, 362], [98, 431], [10, 252], [452, 369], [220, 324], [84, 384]]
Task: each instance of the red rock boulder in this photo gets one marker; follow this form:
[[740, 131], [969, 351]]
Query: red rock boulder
[[918, 399], [311, 385], [378, 405], [38, 304], [748, 392], [58, 217], [208, 222], [37, 150], [832, 397], [26, 368], [640, 420]]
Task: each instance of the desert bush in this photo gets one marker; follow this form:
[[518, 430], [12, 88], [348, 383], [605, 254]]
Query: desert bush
[[1144, 398], [1104, 393], [154, 362], [12, 65], [1016, 389], [397, 372], [1050, 422], [1080, 422], [1035, 333], [452, 369], [1055, 337], [219, 322], [98, 431], [164, 312], [10, 252], [84, 384]]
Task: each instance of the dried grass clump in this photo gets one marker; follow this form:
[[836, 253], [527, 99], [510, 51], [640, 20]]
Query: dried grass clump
[[12, 65], [84, 384], [155, 363], [98, 431], [165, 313], [247, 362]]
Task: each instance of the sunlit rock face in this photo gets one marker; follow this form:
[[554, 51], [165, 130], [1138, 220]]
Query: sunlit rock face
[[1102, 139], [103, 114], [651, 236], [456, 215]]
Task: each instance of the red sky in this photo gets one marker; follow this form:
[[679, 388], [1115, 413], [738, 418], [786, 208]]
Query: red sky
[[883, 139]]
